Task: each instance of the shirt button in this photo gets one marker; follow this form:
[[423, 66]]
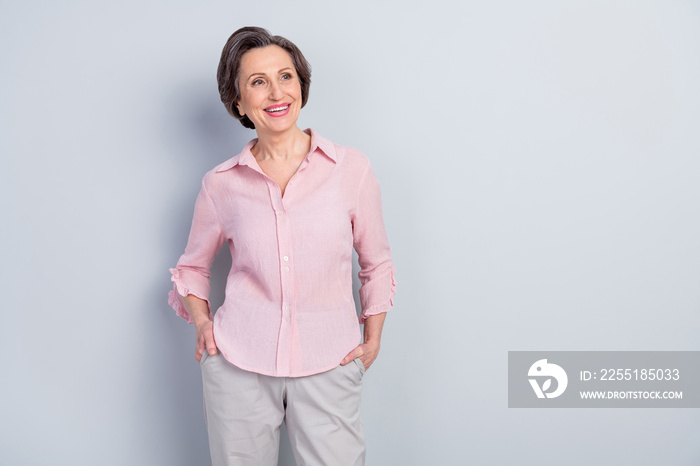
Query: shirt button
[[286, 308], [286, 269], [282, 221], [286, 258], [288, 319]]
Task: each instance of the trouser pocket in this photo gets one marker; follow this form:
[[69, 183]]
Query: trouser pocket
[[360, 366]]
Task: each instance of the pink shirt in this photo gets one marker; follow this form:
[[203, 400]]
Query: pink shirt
[[289, 308]]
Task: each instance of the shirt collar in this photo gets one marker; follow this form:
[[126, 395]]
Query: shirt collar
[[246, 157]]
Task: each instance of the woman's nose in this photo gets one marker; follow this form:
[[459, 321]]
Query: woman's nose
[[275, 91]]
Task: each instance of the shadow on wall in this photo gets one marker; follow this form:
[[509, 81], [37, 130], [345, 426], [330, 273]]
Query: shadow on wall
[[198, 134]]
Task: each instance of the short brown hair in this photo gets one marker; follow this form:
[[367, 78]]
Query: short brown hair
[[241, 41]]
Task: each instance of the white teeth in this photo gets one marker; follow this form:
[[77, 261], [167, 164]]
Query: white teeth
[[278, 109]]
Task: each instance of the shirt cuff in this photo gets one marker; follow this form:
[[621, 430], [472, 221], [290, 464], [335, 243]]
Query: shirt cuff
[[186, 283], [371, 292]]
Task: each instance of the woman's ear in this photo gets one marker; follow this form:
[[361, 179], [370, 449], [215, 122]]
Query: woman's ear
[[240, 111]]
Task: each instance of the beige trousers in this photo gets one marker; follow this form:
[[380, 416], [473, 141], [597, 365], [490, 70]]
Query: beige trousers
[[244, 411]]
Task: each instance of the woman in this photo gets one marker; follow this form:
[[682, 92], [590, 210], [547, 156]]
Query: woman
[[286, 344]]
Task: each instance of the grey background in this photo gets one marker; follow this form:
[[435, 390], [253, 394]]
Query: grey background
[[539, 165]]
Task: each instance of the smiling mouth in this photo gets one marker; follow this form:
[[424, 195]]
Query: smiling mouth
[[277, 109]]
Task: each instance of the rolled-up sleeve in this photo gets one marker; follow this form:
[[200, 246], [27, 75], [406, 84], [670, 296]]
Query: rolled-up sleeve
[[377, 273], [191, 275]]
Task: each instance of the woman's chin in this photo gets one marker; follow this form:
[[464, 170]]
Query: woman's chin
[[277, 125]]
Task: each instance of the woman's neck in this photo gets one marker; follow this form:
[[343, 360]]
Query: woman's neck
[[282, 146]]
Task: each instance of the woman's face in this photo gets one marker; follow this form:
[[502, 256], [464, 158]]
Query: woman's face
[[270, 89]]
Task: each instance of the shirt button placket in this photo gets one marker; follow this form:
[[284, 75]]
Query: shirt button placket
[[287, 324]]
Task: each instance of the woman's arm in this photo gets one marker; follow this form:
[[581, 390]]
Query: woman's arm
[[376, 268], [191, 275], [190, 293], [199, 310]]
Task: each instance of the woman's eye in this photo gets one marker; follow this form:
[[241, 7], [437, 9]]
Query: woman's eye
[[257, 82], [286, 76]]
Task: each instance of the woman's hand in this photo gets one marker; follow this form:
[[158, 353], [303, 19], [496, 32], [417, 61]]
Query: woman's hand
[[199, 310], [205, 339], [368, 351]]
